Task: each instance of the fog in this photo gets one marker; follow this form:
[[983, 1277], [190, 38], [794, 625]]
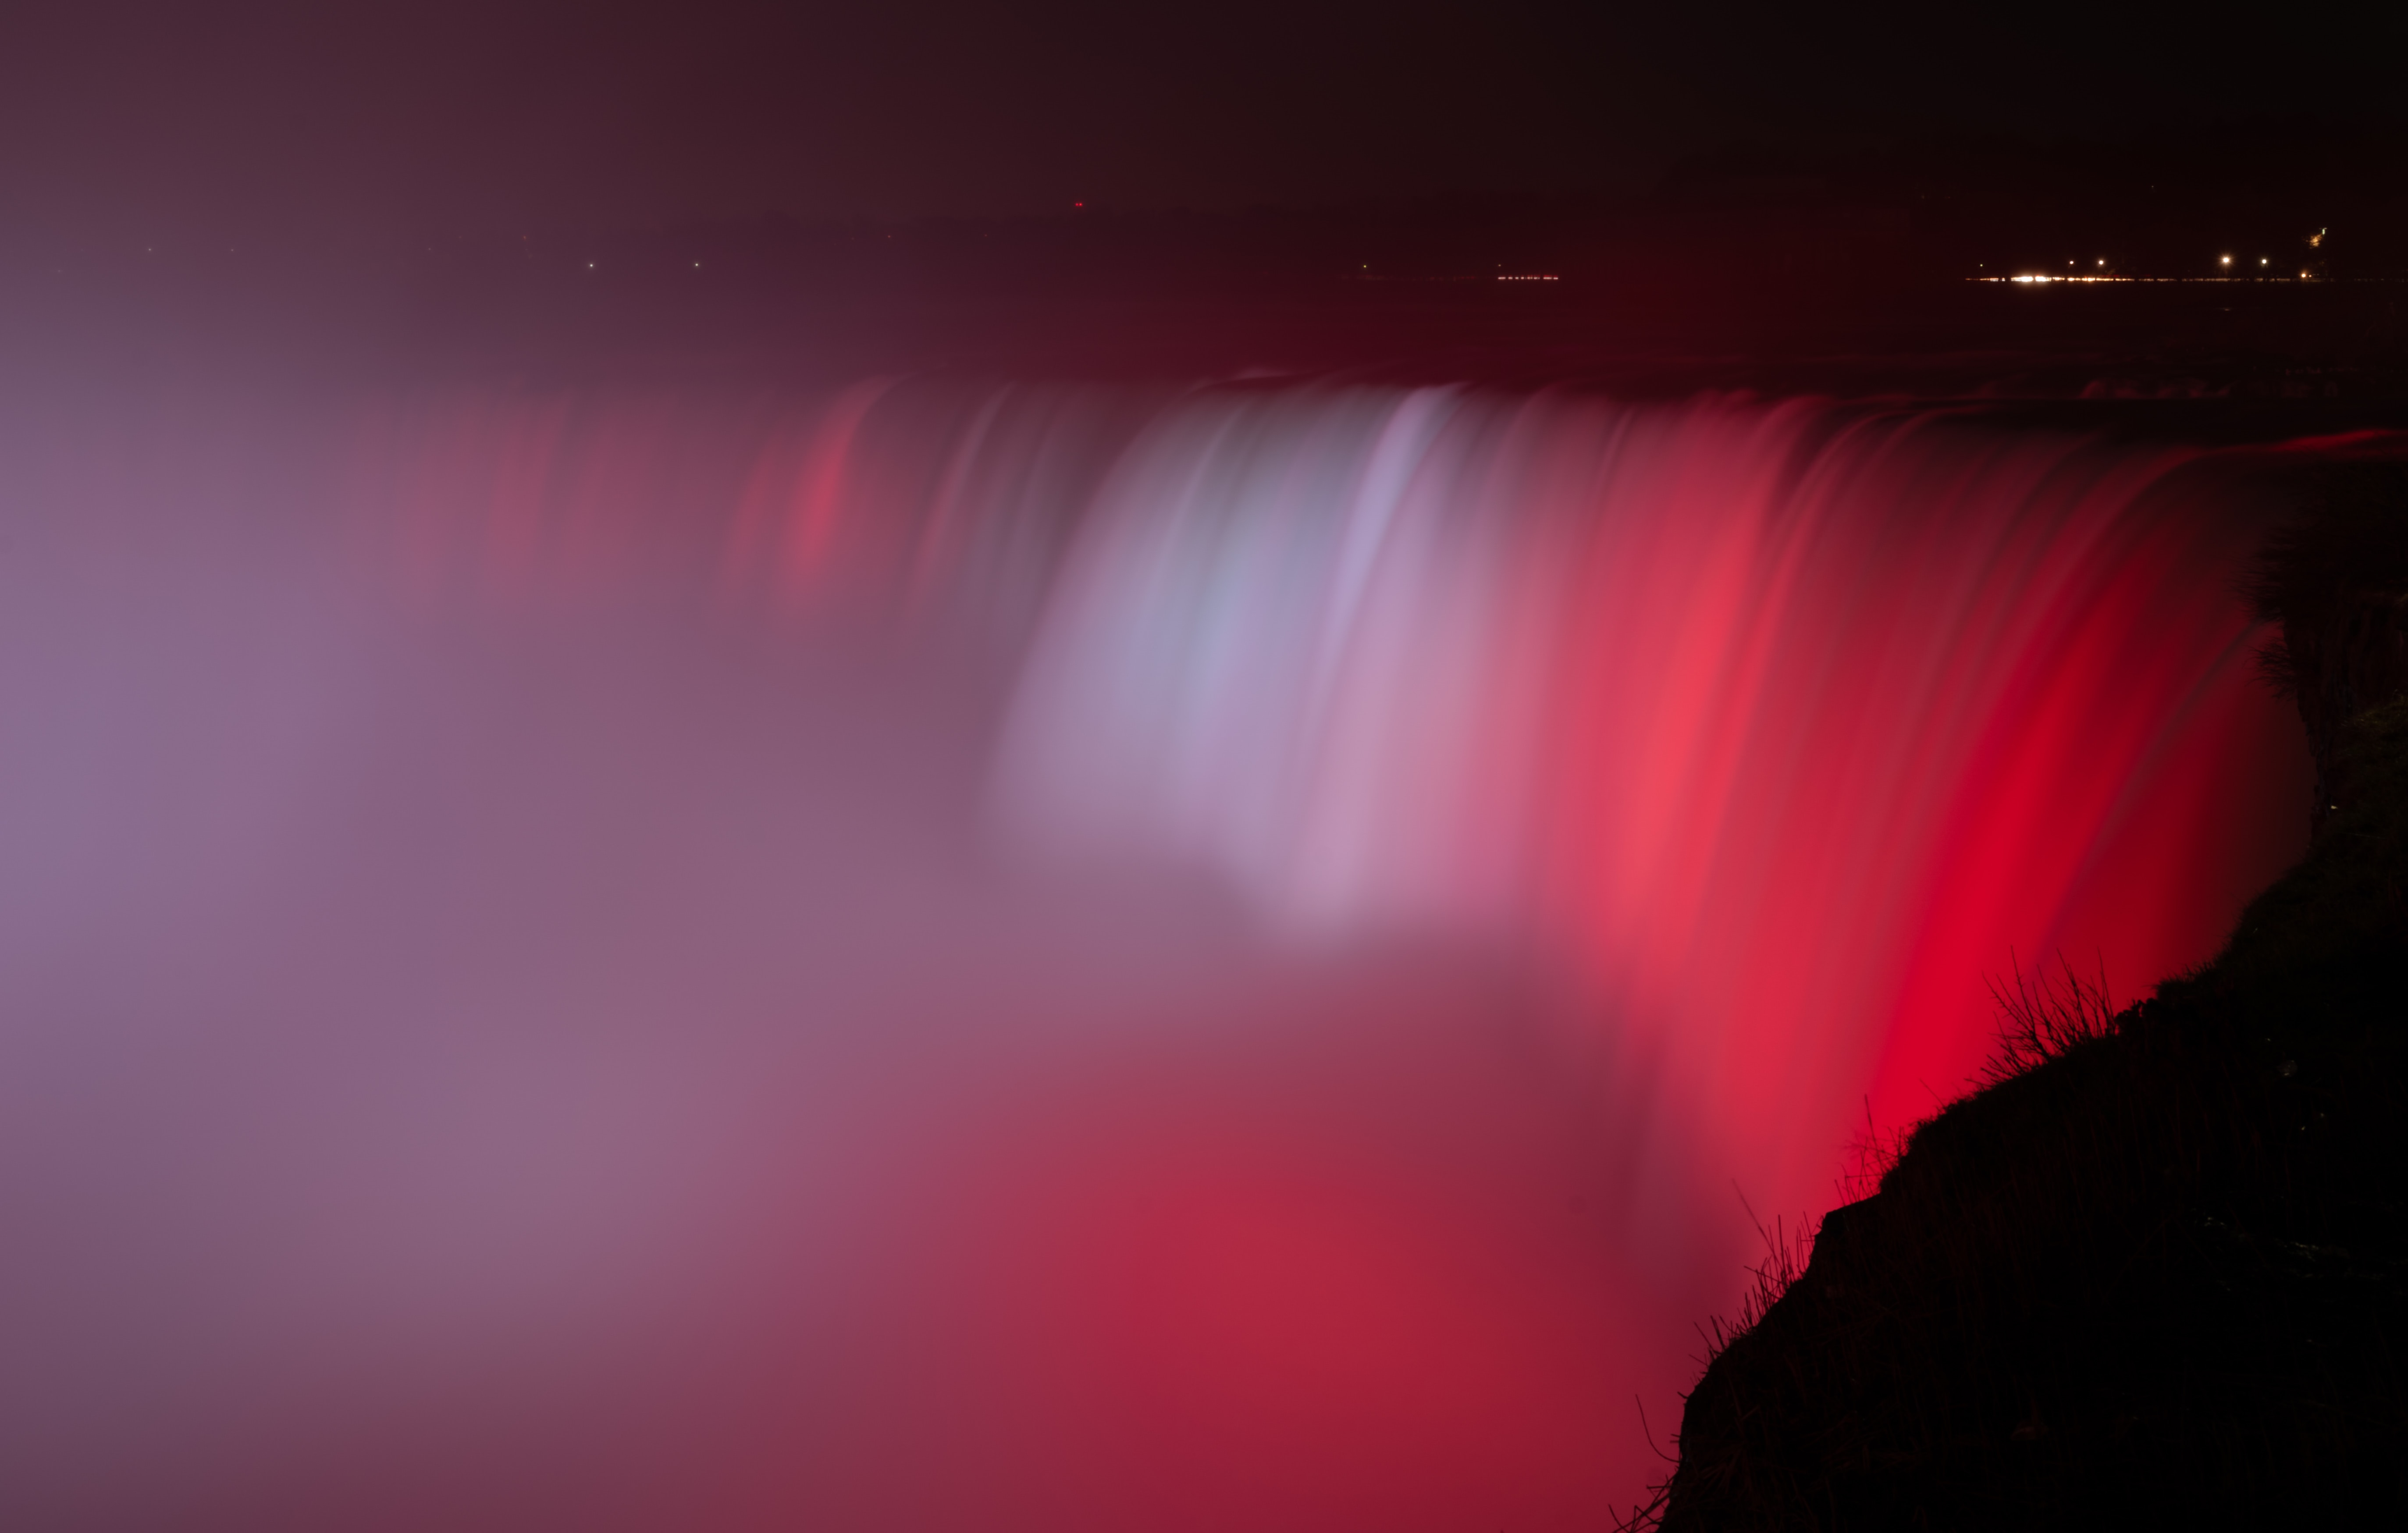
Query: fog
[[633, 959]]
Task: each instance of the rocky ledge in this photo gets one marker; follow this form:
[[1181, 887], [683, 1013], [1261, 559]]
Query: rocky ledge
[[2155, 1273]]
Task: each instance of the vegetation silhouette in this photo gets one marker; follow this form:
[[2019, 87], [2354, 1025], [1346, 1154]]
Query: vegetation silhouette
[[2154, 1270]]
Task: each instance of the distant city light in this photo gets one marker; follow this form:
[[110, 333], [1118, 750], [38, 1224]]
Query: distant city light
[[1533, 277], [2306, 274]]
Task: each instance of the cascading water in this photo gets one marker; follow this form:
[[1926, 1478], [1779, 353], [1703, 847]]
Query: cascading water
[[953, 957], [1785, 723]]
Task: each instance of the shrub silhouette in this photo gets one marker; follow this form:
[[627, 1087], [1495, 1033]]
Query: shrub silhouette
[[2153, 1273]]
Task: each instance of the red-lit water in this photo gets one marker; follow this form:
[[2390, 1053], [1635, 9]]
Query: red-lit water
[[946, 957]]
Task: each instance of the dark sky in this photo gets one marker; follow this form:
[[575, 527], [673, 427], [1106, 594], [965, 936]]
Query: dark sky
[[307, 122]]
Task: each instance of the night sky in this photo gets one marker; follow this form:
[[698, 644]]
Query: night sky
[[310, 124]]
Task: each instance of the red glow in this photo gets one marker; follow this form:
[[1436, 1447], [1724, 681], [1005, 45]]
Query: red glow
[[950, 958]]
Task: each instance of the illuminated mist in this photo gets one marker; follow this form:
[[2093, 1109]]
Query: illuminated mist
[[980, 957]]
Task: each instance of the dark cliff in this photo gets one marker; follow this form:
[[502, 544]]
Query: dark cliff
[[2156, 1274]]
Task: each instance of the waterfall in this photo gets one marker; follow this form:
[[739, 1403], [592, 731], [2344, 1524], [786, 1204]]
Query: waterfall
[[948, 955], [1788, 723]]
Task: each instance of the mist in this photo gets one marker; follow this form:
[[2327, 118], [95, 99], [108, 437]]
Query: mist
[[942, 955]]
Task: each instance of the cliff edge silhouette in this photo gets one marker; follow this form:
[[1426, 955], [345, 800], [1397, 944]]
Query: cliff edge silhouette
[[2154, 1272]]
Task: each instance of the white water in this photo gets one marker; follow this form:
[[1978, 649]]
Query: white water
[[1065, 958]]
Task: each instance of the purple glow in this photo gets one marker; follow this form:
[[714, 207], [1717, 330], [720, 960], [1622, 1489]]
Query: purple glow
[[951, 958]]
